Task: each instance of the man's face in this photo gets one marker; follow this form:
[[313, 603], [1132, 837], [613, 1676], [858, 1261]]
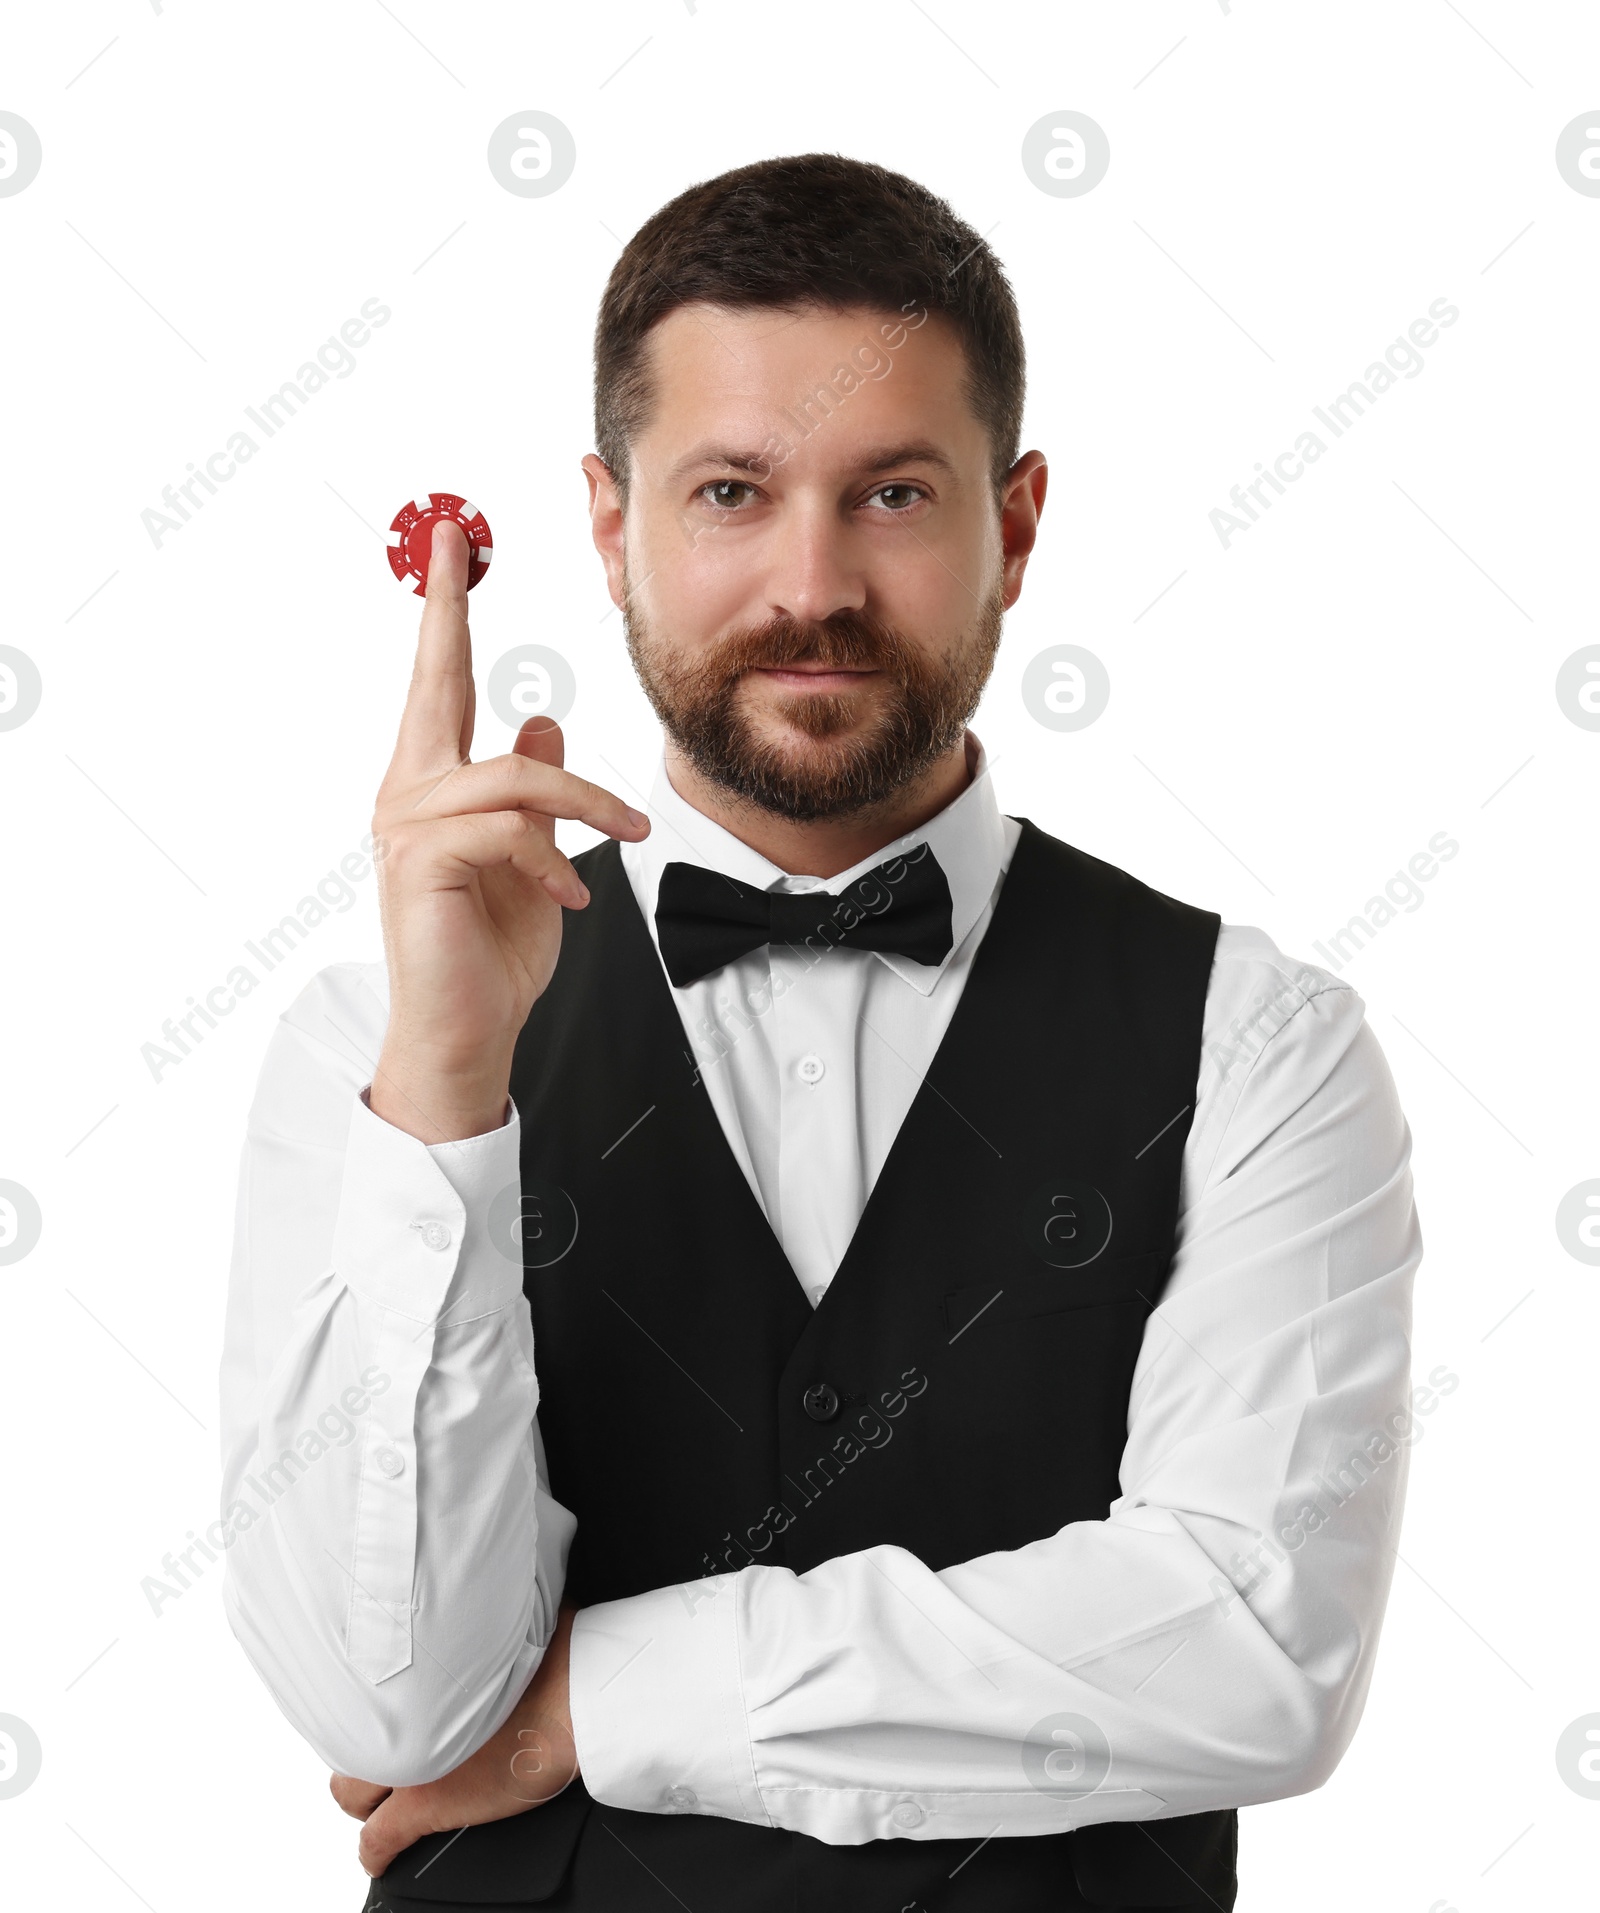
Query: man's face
[[812, 559]]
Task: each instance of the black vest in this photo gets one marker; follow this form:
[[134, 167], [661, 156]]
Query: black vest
[[962, 1387]]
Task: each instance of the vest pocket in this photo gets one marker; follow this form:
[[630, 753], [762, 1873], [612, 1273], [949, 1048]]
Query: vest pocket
[[1012, 1293]]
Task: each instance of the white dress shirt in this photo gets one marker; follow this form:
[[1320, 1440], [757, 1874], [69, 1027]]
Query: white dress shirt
[[396, 1590]]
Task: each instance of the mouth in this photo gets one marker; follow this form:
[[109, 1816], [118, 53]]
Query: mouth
[[816, 677]]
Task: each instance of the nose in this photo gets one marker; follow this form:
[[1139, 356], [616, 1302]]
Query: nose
[[813, 571]]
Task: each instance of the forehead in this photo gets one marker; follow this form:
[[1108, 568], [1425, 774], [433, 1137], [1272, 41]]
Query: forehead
[[732, 375]]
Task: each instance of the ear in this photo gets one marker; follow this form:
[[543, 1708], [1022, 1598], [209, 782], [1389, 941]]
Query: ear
[[1019, 519], [605, 521]]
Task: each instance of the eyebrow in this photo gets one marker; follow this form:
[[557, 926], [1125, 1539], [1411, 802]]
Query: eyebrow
[[881, 459]]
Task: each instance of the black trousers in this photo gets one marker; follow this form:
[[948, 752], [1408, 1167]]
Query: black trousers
[[623, 1862]]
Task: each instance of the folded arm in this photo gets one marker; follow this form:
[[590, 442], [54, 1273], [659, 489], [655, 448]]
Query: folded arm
[[1206, 1645]]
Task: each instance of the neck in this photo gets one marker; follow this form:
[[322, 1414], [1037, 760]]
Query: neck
[[830, 844]]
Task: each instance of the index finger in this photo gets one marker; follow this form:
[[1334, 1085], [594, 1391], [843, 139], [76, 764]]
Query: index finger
[[436, 725]]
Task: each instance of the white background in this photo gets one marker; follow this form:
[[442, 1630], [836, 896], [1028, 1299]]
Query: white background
[[1374, 662]]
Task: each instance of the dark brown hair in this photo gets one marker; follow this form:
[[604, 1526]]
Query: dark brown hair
[[815, 229]]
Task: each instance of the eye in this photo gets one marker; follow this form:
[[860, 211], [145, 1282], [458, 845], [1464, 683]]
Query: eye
[[911, 495], [723, 485]]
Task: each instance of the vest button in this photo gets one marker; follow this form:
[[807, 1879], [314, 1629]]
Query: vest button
[[821, 1401]]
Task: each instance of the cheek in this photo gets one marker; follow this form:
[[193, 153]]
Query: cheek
[[927, 604], [943, 570], [696, 579]]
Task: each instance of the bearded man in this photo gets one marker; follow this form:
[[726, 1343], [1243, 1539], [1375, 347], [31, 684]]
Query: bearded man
[[850, 1316]]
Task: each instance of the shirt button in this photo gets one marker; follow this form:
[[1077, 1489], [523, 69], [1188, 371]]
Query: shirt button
[[391, 1463], [811, 1069], [682, 1800], [821, 1401], [908, 1814], [434, 1234]]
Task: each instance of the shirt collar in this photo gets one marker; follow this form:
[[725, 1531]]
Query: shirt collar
[[967, 837]]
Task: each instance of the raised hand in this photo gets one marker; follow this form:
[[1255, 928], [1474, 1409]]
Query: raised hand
[[471, 884]]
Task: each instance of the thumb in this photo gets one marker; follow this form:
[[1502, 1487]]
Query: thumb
[[392, 1826], [540, 739]]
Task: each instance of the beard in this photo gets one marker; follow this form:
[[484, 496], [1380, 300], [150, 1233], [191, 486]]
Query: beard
[[854, 751]]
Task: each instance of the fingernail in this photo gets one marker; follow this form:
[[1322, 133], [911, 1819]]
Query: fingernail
[[636, 817]]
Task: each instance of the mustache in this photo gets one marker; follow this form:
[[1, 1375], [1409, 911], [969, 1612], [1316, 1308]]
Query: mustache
[[846, 641]]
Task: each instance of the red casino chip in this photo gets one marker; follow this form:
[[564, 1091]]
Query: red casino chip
[[411, 537]]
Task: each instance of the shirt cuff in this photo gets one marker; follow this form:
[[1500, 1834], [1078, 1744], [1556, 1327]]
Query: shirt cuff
[[657, 1704], [411, 1213]]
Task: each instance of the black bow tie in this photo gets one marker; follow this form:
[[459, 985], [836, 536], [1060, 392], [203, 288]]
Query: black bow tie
[[704, 920]]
